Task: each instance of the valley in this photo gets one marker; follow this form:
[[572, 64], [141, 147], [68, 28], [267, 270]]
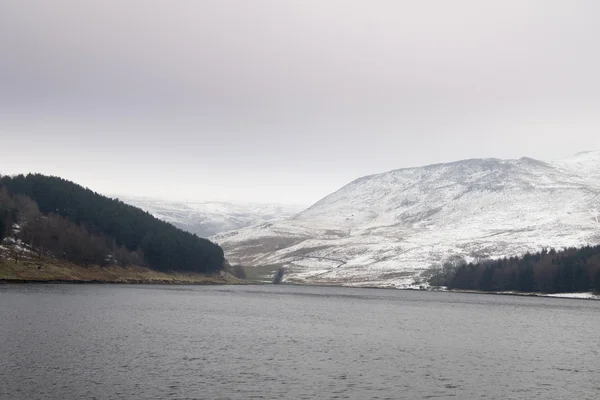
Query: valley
[[206, 218]]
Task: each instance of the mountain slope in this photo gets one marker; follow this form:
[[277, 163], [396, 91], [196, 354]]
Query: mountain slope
[[385, 229], [211, 217], [86, 227]]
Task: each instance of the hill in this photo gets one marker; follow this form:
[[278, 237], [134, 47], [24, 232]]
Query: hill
[[65, 221], [385, 229], [206, 218]]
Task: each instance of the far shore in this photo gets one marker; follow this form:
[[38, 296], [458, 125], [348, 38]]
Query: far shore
[[573, 295], [118, 282], [56, 271]]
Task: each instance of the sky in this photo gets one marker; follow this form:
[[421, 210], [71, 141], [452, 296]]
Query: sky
[[287, 101]]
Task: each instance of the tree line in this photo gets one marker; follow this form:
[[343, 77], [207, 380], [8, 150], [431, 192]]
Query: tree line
[[54, 236], [548, 271], [61, 218]]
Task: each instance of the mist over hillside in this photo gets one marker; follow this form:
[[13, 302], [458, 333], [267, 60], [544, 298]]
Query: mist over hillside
[[206, 218]]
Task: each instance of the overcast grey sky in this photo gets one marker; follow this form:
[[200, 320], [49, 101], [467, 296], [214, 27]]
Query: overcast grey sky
[[286, 101]]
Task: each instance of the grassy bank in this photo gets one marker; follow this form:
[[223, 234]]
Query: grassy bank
[[60, 271]]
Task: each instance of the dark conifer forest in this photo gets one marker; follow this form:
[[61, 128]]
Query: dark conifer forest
[[549, 271], [59, 218]]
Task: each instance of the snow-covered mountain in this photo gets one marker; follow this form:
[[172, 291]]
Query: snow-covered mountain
[[384, 229], [210, 217]]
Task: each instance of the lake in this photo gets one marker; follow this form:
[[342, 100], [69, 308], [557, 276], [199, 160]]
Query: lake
[[292, 342]]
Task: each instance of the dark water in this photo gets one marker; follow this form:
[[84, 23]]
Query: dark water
[[281, 342]]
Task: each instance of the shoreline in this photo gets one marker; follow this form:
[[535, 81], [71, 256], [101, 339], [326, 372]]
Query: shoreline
[[52, 271], [568, 295], [116, 282], [198, 280]]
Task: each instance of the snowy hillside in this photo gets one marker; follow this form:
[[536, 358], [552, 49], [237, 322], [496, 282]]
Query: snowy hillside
[[385, 229], [208, 218]]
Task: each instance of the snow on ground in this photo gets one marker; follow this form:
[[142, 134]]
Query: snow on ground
[[385, 229], [11, 246], [585, 295], [575, 295]]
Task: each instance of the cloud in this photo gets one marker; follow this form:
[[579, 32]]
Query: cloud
[[374, 85]]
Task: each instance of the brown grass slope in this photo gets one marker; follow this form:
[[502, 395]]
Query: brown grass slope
[[52, 270]]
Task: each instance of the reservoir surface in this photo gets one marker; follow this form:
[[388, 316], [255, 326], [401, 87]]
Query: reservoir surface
[[292, 342]]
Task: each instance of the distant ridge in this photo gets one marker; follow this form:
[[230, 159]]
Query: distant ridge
[[206, 218]]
